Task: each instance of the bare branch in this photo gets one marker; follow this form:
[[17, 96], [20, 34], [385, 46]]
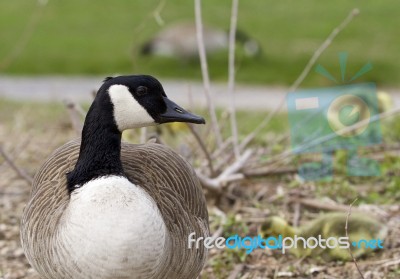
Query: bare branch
[[266, 171], [391, 263], [347, 235], [75, 114], [303, 75], [204, 71], [222, 148], [143, 135], [237, 165], [231, 81], [231, 173], [324, 205], [21, 173], [203, 148]]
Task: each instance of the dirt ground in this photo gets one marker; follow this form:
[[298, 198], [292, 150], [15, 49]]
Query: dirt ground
[[28, 142]]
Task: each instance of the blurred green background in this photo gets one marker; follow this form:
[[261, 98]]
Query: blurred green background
[[77, 37]]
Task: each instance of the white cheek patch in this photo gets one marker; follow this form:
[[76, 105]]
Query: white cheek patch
[[128, 113]]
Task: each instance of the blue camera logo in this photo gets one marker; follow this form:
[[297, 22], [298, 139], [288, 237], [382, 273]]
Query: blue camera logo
[[328, 119]]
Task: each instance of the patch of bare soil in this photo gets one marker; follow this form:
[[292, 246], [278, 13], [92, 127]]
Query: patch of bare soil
[[242, 208]]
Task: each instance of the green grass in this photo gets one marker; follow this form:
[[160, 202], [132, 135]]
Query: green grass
[[40, 116], [100, 37]]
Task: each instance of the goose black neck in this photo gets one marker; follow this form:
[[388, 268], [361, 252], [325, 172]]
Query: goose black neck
[[100, 151]]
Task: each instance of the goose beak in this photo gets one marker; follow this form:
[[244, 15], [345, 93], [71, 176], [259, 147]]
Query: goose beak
[[175, 113]]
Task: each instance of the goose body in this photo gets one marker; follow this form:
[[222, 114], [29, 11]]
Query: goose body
[[179, 40], [100, 208]]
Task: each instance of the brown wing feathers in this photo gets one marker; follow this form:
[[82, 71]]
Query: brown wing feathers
[[168, 179]]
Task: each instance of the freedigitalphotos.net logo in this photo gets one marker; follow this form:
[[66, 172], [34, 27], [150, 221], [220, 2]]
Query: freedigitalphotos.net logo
[[280, 243], [343, 117]]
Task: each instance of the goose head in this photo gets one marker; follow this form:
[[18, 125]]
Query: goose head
[[121, 103], [140, 101]]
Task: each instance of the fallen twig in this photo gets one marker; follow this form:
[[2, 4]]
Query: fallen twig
[[231, 173], [21, 173], [324, 205], [391, 263], [266, 171]]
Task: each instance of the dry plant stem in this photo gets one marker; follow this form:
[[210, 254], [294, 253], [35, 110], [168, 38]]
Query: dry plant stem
[[266, 171], [75, 114], [303, 75], [21, 173], [222, 149], [370, 209], [321, 49], [324, 206], [213, 184], [347, 235], [203, 148], [391, 263], [26, 35], [296, 215], [143, 135], [231, 173], [156, 14], [224, 159], [204, 72], [16, 152], [231, 81]]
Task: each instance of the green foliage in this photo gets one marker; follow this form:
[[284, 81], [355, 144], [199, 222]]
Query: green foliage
[[103, 37], [234, 225], [225, 261]]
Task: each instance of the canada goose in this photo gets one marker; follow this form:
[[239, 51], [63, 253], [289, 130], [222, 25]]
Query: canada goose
[[101, 209], [180, 41]]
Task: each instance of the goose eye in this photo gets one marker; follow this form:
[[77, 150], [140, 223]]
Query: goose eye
[[141, 90]]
